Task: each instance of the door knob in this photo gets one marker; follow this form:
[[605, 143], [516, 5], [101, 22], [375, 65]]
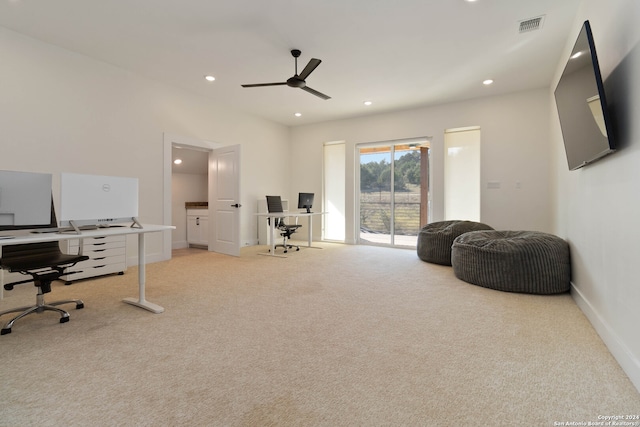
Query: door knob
[[237, 205]]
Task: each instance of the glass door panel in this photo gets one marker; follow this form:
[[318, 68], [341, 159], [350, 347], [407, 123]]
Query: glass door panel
[[375, 195], [393, 198], [406, 190]]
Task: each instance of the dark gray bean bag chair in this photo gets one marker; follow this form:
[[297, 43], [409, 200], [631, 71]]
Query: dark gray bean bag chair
[[435, 239], [513, 261]]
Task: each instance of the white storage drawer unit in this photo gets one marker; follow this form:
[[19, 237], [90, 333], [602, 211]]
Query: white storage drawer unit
[[107, 255]]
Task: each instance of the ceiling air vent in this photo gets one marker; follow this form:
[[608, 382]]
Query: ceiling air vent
[[531, 24]]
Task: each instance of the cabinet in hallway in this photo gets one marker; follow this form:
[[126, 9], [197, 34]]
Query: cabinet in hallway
[[198, 227]]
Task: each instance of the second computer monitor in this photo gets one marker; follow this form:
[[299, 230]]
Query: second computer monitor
[[305, 201], [25, 200]]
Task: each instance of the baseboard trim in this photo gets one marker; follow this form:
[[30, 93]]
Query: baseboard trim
[[629, 364]]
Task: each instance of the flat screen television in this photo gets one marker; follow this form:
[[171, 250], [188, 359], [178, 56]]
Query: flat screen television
[[582, 105], [25, 201], [305, 201], [95, 200]]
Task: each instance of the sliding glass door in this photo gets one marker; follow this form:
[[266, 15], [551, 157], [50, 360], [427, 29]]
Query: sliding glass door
[[375, 195], [393, 203]]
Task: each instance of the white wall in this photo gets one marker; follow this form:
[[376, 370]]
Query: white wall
[[60, 111], [597, 207], [515, 148]]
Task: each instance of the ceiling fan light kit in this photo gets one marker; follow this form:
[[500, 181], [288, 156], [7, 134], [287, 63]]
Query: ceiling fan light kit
[[298, 80]]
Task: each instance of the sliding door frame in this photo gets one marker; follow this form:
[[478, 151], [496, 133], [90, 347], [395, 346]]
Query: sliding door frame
[[422, 143]]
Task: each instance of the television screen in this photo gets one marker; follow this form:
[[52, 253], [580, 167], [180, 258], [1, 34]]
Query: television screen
[[582, 105], [25, 200], [87, 200]]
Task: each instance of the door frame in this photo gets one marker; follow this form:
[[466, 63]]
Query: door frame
[[169, 139]]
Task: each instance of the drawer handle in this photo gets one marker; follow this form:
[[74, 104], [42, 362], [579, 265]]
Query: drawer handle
[[100, 266], [99, 250], [99, 244], [98, 259]]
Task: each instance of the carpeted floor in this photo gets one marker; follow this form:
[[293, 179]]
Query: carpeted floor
[[340, 336]]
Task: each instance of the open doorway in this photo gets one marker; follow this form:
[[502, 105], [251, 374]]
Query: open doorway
[[223, 198], [189, 197], [196, 149], [393, 200]]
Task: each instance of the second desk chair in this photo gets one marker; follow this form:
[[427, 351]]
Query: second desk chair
[[274, 205]]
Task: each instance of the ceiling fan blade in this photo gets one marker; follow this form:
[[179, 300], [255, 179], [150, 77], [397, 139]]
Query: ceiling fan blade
[[265, 84], [316, 93], [313, 63]]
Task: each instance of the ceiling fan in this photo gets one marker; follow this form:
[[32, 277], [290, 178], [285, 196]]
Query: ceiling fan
[[298, 80]]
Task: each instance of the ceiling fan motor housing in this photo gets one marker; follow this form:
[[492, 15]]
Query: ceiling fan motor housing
[[296, 82]]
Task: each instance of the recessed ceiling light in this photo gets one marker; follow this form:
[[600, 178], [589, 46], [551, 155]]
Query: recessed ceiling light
[[209, 78], [487, 82], [177, 161], [298, 114], [368, 102]]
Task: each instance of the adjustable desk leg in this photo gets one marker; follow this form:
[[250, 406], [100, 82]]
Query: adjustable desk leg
[[309, 233], [141, 302], [271, 240]]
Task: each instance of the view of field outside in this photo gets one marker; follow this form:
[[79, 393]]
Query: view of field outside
[[380, 220]]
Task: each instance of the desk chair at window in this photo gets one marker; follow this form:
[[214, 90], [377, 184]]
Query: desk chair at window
[[274, 205], [44, 262]]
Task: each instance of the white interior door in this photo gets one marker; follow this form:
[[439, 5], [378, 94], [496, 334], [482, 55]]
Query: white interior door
[[224, 200]]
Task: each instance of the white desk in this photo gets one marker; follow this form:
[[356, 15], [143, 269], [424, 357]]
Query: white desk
[[309, 217], [27, 237]]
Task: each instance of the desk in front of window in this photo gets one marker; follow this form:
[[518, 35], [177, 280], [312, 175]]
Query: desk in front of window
[[289, 215]]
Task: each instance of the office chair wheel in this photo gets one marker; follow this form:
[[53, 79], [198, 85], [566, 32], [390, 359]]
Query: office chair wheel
[[285, 251], [5, 331], [64, 319], [297, 249], [79, 306]]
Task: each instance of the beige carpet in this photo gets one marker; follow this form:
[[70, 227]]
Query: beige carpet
[[340, 336]]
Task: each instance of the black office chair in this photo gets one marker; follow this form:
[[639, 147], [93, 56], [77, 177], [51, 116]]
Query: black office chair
[[44, 262], [274, 205]]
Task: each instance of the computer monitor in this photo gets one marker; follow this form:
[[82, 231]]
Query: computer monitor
[[305, 201], [95, 200], [25, 200]]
